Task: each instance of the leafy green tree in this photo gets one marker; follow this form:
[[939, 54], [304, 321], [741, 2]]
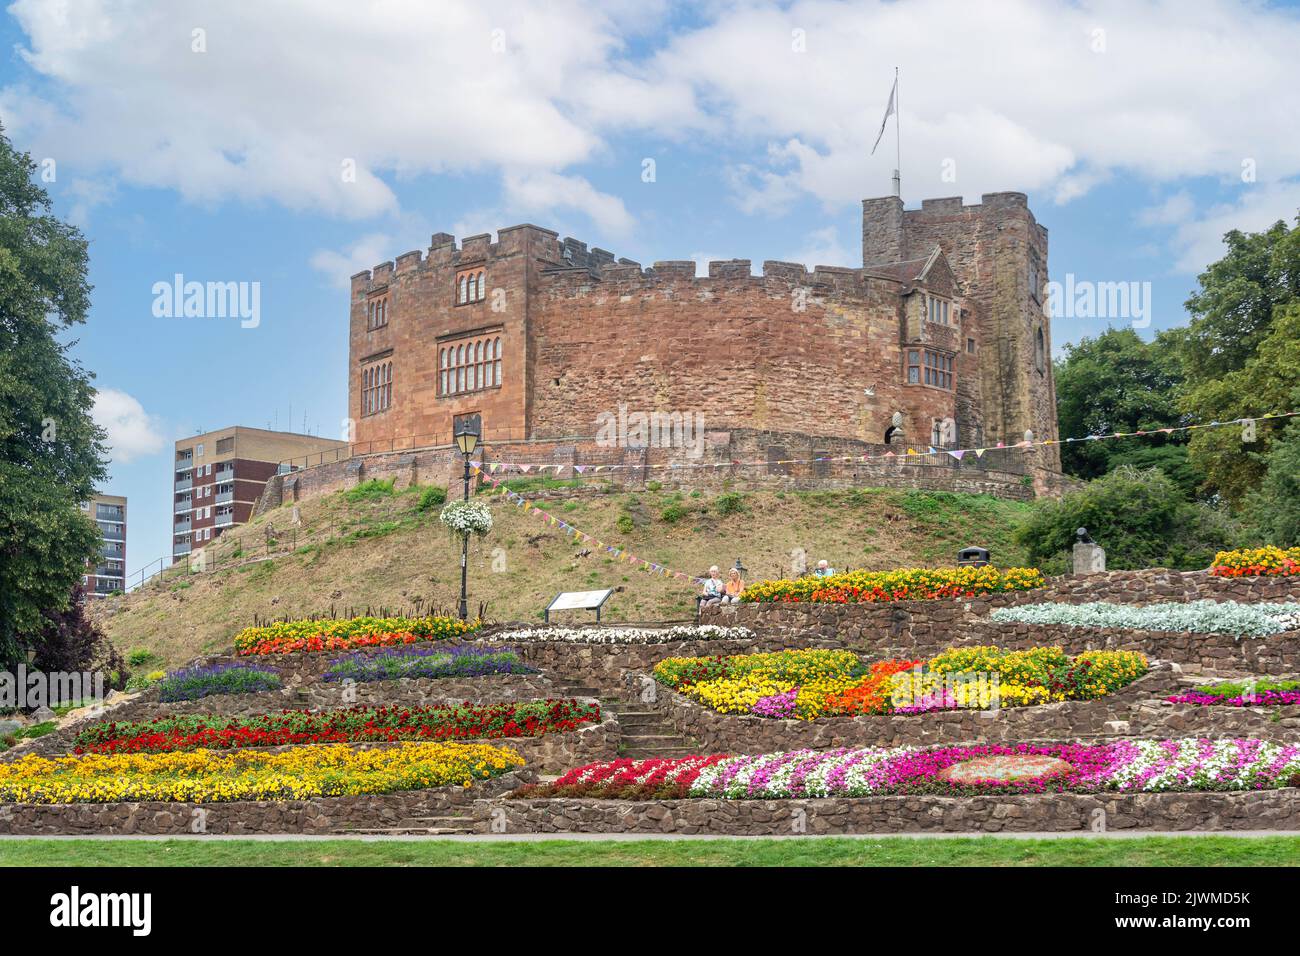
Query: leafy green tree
[[1274, 509], [1141, 518], [51, 452], [1239, 353], [1116, 382]]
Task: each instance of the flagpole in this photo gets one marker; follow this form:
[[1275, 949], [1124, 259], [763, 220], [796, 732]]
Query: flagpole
[[898, 140]]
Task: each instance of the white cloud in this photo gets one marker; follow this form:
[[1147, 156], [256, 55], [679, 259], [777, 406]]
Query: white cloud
[[132, 432], [1011, 95], [538, 192], [822, 247], [1198, 237], [366, 253]]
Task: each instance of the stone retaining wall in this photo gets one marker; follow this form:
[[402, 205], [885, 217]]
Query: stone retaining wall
[[603, 666], [906, 630], [1062, 812], [1153, 586], [1137, 710], [316, 815]]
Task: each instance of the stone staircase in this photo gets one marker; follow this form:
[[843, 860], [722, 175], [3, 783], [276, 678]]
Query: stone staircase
[[645, 734], [452, 824]]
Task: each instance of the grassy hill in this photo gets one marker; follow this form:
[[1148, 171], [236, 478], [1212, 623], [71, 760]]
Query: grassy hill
[[374, 548]]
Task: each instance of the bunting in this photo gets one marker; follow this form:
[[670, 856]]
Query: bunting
[[929, 452]]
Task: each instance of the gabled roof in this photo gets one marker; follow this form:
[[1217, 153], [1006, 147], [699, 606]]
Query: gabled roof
[[932, 272]]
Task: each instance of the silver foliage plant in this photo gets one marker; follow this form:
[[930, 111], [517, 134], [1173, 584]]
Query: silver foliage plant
[[1199, 617]]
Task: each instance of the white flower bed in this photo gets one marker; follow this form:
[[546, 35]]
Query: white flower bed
[[467, 518], [626, 635], [1200, 617]]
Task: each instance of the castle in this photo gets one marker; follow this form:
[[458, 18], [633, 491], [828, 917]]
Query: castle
[[938, 338]]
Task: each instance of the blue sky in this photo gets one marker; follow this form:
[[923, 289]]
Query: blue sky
[[218, 155]]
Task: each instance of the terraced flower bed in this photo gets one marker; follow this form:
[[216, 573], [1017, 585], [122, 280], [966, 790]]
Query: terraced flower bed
[[194, 683], [414, 663], [626, 635], [1256, 562], [1262, 693], [203, 776], [1184, 765], [355, 725], [907, 584], [292, 637], [1196, 617], [807, 684]]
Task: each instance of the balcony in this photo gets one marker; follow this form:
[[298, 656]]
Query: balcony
[[184, 484], [224, 520], [183, 506], [110, 571], [225, 497], [111, 551], [182, 527], [225, 474], [180, 548], [110, 513], [111, 533]]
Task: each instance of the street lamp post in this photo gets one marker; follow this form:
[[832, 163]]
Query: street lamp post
[[467, 436]]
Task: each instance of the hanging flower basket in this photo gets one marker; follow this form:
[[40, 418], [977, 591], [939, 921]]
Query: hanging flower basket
[[465, 518]]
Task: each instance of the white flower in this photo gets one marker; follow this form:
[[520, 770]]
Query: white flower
[[626, 635], [1200, 617], [467, 517]]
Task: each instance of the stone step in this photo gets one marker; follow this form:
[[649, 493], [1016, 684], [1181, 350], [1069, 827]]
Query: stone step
[[647, 753], [576, 691], [650, 740]]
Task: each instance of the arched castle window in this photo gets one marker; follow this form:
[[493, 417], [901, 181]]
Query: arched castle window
[[1040, 350], [471, 286], [469, 365], [376, 388]]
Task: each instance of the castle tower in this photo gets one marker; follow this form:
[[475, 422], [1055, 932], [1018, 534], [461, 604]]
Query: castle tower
[[998, 252]]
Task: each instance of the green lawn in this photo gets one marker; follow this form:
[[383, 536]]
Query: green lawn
[[790, 851]]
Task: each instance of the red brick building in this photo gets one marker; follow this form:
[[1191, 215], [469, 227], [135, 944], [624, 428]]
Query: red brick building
[[542, 338]]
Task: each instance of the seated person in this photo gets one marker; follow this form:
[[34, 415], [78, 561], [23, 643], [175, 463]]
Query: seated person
[[735, 585], [713, 588], [824, 569]]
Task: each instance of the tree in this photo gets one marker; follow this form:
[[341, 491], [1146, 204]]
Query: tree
[[1116, 382], [69, 641], [1274, 509], [1269, 381], [51, 452], [1141, 518], [1239, 353]]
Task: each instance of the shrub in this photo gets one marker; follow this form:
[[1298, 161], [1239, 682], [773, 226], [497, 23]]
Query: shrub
[[141, 657], [907, 584], [731, 503], [1141, 518], [352, 725], [673, 513], [210, 776], [191, 683], [625, 524], [653, 485], [70, 641], [435, 496]]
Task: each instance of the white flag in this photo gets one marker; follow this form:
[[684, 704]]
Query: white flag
[[889, 111]]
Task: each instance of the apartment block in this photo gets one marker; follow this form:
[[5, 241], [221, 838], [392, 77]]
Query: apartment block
[[108, 574], [220, 474]]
